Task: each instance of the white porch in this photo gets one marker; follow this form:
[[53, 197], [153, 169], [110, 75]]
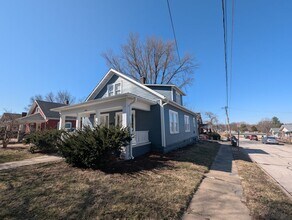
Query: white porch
[[117, 110]]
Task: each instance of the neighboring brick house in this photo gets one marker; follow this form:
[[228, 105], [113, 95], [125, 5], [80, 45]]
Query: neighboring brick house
[[41, 117]]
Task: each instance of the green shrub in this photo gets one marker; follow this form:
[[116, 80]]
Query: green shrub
[[46, 141], [94, 147]]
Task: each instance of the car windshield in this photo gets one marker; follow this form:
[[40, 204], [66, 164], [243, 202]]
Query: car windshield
[[271, 137]]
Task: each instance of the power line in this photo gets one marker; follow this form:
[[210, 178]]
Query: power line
[[225, 51], [173, 30], [231, 50]]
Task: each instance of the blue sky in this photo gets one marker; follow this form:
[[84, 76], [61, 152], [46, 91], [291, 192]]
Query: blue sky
[[52, 45]]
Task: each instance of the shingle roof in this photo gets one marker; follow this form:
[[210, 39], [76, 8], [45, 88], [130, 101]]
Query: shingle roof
[[275, 129], [34, 118], [288, 127], [47, 106]]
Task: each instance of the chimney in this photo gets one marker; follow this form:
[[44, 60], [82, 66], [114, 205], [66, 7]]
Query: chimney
[[143, 79], [23, 114], [66, 102]]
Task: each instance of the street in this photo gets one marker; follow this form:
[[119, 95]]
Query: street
[[274, 159]]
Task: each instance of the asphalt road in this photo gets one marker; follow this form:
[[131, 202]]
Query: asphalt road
[[274, 159]]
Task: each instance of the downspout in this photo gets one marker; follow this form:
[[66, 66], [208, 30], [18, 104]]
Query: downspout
[[163, 141], [130, 145]]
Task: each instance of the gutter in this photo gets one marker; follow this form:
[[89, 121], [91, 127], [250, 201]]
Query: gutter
[[130, 145], [163, 141]]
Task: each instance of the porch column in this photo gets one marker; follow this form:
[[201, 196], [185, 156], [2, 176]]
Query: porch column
[[62, 122], [126, 117], [78, 119], [97, 118]]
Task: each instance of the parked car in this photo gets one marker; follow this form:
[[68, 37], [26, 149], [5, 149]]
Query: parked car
[[234, 141], [246, 136], [253, 137], [269, 140]]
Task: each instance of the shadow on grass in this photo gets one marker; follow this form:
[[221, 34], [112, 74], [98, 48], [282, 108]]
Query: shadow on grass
[[201, 154]]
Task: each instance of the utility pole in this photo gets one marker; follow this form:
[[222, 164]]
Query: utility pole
[[227, 117]]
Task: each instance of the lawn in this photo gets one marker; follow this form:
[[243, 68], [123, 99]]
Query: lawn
[[263, 196], [15, 152], [153, 187]]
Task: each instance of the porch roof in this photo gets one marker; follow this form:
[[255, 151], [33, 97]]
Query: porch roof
[[34, 118], [103, 100]]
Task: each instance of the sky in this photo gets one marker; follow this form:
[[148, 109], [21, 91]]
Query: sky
[[52, 45]]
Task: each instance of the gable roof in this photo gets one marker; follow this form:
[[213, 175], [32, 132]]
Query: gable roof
[[275, 129], [46, 107], [107, 77], [112, 72], [287, 126]]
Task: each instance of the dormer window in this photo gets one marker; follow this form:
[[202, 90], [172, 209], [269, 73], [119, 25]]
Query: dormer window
[[114, 89], [177, 97]]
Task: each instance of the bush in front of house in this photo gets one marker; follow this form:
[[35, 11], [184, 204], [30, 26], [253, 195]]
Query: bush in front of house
[[46, 141], [93, 148]]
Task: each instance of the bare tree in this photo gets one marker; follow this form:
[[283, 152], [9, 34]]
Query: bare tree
[[8, 127], [212, 120], [61, 97], [50, 97], [265, 125], [154, 59], [64, 96]]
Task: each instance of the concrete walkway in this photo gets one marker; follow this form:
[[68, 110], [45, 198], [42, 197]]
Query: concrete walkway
[[220, 194], [35, 160]]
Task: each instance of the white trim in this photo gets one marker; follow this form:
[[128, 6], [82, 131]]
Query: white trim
[[68, 122], [116, 118], [187, 119], [181, 107], [167, 85], [110, 73], [104, 115], [141, 144], [175, 128], [162, 120], [103, 100]]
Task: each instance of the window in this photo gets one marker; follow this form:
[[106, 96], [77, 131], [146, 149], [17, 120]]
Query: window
[[195, 124], [173, 122], [177, 97], [114, 89], [68, 125], [119, 118], [187, 123], [110, 89], [118, 88], [104, 120]]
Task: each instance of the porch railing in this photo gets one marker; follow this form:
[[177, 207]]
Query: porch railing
[[140, 137]]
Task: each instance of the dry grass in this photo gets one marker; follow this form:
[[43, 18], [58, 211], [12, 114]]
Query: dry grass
[[264, 198], [15, 152], [155, 186]]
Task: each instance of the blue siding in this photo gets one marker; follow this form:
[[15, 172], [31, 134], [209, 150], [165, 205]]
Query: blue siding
[[163, 90], [150, 121], [103, 92], [140, 150], [127, 87], [183, 138]]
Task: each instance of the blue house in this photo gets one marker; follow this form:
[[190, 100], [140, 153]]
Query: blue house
[[155, 113]]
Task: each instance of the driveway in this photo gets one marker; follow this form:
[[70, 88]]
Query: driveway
[[274, 159]]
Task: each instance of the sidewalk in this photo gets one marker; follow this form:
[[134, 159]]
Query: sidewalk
[[220, 194], [35, 160]]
